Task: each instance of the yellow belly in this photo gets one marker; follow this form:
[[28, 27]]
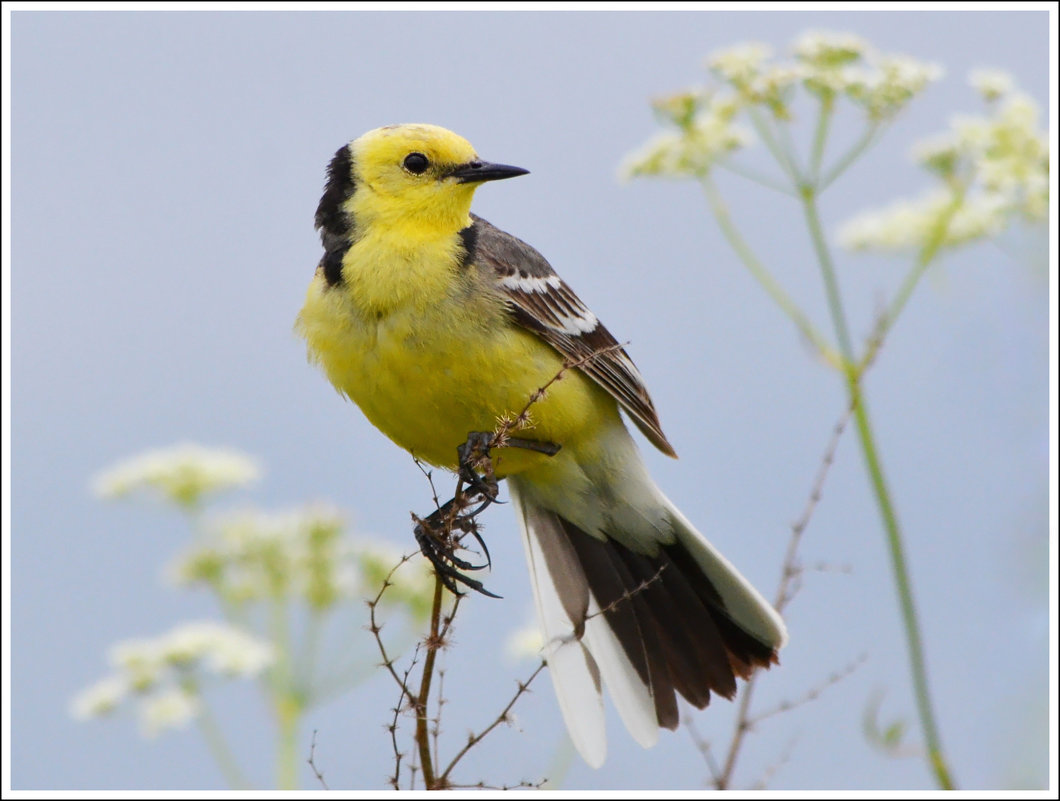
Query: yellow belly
[[427, 377]]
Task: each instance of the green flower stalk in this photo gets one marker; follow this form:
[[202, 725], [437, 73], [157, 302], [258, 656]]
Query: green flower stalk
[[990, 172]]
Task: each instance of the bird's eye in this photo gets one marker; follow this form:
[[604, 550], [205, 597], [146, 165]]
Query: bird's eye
[[416, 163]]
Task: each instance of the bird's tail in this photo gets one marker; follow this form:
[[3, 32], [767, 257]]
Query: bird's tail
[[649, 618]]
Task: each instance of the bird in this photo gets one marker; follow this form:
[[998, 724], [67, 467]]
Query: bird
[[437, 324]]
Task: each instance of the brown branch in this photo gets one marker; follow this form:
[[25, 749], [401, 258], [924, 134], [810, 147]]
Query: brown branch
[[703, 745], [475, 739], [433, 643], [772, 769], [428, 729], [810, 695], [791, 572], [787, 588], [375, 628], [507, 423], [393, 727], [313, 764], [628, 594]]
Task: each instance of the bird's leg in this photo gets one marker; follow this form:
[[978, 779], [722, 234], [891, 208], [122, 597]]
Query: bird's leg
[[474, 455], [434, 534]]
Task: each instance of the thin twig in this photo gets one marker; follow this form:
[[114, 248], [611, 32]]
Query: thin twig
[[791, 572], [375, 628], [771, 770], [313, 764], [523, 785], [787, 588], [507, 423], [810, 695], [393, 727], [703, 745], [433, 643], [475, 739]]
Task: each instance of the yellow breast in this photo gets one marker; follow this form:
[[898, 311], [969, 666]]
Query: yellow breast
[[440, 363]]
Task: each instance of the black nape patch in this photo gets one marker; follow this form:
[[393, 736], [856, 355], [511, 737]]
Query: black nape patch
[[335, 225], [469, 236]]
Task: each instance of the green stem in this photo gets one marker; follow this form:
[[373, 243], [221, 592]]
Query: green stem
[[873, 464], [755, 176], [831, 284], [311, 650], [924, 259], [784, 158], [820, 136], [218, 747], [905, 592], [763, 276], [288, 712], [868, 138], [286, 701]]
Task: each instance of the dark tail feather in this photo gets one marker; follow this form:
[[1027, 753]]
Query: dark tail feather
[[670, 620]]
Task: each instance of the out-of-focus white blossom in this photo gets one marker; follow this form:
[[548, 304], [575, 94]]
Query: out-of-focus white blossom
[[253, 555], [739, 64], [219, 647], [691, 151], [828, 65], [182, 473], [941, 154], [100, 699], [887, 86], [526, 642], [159, 673], [991, 84], [910, 224], [829, 49], [994, 168], [142, 662], [250, 556], [172, 708]]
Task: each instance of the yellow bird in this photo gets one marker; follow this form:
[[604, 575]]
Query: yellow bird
[[436, 324]]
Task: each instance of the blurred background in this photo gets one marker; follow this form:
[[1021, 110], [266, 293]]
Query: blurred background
[[165, 170]]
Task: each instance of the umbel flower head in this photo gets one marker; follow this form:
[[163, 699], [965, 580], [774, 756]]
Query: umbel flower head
[[992, 169], [301, 554], [827, 65], [182, 474], [163, 674]]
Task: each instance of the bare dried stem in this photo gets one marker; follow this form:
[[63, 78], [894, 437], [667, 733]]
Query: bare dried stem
[[787, 588], [312, 764], [420, 701], [375, 628], [475, 739]]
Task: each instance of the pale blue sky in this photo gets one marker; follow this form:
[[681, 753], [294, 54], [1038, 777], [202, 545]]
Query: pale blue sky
[[165, 171]]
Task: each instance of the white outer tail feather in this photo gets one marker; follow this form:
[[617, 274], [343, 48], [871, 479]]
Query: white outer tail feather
[[577, 665]]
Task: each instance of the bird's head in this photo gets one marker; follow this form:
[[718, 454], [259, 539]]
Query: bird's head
[[416, 172]]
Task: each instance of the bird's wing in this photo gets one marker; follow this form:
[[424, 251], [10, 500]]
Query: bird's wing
[[542, 302]]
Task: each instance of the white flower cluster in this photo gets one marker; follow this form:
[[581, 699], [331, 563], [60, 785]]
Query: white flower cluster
[[525, 643], [163, 673], [182, 473], [251, 556], [993, 169], [828, 65], [705, 134], [841, 64]]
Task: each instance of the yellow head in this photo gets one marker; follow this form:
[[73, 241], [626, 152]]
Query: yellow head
[[417, 172]]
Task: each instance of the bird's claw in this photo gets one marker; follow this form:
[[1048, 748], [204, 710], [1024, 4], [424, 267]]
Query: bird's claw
[[434, 533]]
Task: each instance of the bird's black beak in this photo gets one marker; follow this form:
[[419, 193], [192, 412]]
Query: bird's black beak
[[478, 171]]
